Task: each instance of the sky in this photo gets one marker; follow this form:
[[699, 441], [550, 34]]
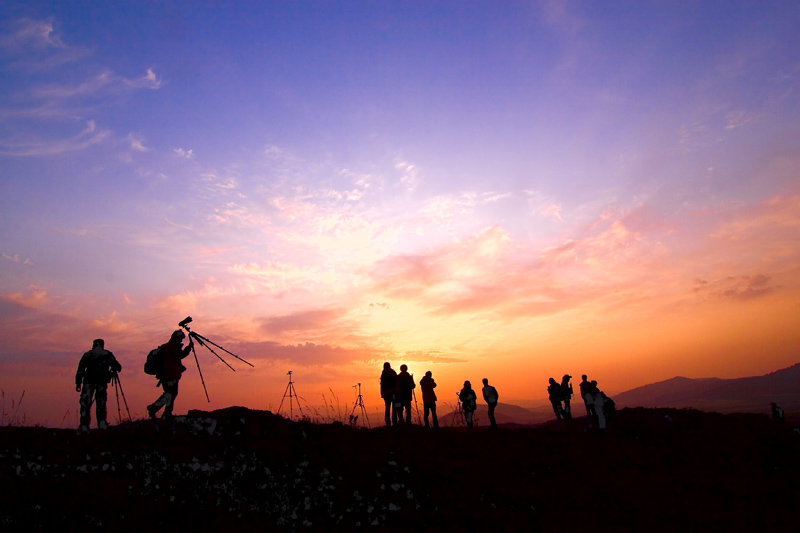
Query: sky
[[512, 191]]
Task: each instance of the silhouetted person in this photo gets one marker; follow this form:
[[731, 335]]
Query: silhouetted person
[[172, 353], [555, 394], [584, 387], [490, 396], [566, 393], [427, 384], [777, 413], [597, 399], [406, 386], [95, 370], [389, 393], [468, 402]]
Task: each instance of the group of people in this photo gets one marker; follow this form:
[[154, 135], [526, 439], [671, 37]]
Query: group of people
[[397, 391], [98, 367], [598, 406]]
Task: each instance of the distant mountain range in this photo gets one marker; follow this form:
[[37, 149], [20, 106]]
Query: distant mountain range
[[742, 395]]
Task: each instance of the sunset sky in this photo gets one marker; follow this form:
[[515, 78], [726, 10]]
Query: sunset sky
[[509, 190]]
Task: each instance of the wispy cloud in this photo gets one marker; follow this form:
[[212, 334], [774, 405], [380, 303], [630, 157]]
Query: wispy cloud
[[148, 81], [31, 33], [16, 258], [106, 81], [90, 136], [136, 144], [185, 154]]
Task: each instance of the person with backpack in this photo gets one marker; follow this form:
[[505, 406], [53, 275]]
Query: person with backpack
[[555, 393], [490, 396], [95, 370], [168, 371], [406, 385], [389, 393], [469, 402], [427, 384], [566, 394]]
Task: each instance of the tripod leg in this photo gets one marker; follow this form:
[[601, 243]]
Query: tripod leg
[[209, 341], [201, 374], [288, 392], [207, 347], [116, 391], [119, 383]]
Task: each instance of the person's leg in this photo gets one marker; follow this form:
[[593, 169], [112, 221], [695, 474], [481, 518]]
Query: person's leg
[[567, 410], [101, 401], [407, 407], [556, 409], [172, 387], [435, 418], [167, 398], [387, 416], [492, 420], [85, 403], [426, 411], [601, 418]]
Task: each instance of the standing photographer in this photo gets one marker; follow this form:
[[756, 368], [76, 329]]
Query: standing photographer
[[95, 370], [170, 372]]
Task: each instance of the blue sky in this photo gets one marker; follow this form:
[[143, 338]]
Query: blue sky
[[500, 179]]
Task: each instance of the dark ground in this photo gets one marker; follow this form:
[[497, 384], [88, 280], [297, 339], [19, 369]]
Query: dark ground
[[655, 470]]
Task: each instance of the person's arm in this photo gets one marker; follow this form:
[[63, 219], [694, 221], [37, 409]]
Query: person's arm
[[79, 374], [115, 366], [187, 349]]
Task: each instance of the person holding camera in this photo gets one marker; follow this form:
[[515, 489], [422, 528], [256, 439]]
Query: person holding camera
[[95, 370]]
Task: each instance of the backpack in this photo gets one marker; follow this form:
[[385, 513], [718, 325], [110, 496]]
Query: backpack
[[154, 364]]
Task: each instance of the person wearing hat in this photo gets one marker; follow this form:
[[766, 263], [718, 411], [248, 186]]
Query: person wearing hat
[[468, 402], [566, 391]]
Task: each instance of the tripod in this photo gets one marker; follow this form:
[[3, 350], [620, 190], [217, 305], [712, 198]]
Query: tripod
[[458, 413], [416, 405], [118, 389], [204, 342], [291, 393], [359, 403]]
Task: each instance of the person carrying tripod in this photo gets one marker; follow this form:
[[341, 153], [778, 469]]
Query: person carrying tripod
[[169, 373], [95, 370]]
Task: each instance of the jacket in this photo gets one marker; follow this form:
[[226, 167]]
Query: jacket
[[490, 394], [468, 399], [96, 367], [406, 386], [388, 383], [427, 385], [173, 354]]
